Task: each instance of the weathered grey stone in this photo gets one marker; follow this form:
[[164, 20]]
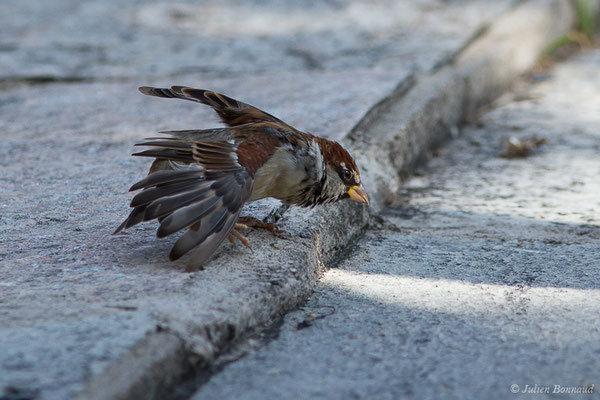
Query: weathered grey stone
[[419, 117], [483, 279], [154, 367], [44, 350], [116, 39], [65, 171]]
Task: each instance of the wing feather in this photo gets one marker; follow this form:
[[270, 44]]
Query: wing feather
[[157, 192], [205, 199], [165, 206], [186, 216], [164, 177], [166, 154], [231, 111], [206, 245]]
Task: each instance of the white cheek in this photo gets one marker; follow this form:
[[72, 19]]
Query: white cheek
[[333, 183], [315, 153]]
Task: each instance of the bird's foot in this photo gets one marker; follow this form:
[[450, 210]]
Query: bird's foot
[[235, 234], [258, 224], [250, 222]]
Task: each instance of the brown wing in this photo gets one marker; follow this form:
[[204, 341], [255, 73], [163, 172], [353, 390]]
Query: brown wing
[[231, 111], [204, 193]]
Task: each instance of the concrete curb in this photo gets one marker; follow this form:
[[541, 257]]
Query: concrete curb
[[149, 370], [391, 139]]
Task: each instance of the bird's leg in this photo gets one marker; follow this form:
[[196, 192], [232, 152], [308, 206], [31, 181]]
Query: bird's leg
[[244, 223], [258, 224], [235, 234]]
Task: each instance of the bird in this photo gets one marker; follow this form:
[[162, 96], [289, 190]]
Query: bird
[[200, 179]]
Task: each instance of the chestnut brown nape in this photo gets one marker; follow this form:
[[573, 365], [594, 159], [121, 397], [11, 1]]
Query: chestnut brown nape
[[336, 154]]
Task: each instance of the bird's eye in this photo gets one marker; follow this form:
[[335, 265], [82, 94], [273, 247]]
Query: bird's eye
[[347, 174]]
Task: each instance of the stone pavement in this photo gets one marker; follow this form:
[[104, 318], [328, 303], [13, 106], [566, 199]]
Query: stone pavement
[[482, 280], [92, 315], [66, 40]]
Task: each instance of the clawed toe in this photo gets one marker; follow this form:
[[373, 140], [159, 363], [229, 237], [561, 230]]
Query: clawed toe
[[246, 222], [258, 224], [235, 234]]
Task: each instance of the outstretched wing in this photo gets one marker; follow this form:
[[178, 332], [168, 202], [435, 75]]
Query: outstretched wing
[[204, 192], [231, 111]]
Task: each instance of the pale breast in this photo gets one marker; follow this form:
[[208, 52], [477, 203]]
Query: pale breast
[[287, 173]]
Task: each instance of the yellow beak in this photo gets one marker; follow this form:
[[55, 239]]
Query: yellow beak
[[357, 193]]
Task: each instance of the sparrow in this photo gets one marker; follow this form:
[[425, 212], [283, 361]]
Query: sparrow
[[200, 179]]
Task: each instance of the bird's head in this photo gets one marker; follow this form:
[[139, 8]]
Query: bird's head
[[342, 175]]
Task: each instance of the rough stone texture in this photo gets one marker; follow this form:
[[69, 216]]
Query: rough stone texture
[[50, 347], [65, 171], [484, 275], [145, 364], [67, 39], [426, 111]]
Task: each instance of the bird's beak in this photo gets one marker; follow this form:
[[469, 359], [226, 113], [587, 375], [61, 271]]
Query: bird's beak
[[357, 193]]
